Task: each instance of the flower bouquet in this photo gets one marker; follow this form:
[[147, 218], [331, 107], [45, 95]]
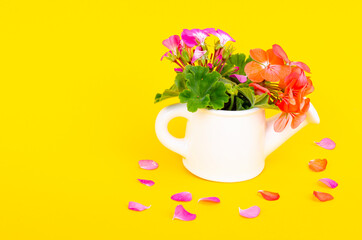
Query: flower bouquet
[[210, 75]]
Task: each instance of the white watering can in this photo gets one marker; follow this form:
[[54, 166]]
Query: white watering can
[[225, 146]]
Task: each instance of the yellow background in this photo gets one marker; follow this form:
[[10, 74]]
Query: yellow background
[[77, 83]]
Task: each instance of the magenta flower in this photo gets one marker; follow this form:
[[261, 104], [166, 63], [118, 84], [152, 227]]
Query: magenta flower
[[198, 54], [223, 36], [194, 37], [172, 43]]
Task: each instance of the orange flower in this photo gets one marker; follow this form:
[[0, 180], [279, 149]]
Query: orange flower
[[266, 66]]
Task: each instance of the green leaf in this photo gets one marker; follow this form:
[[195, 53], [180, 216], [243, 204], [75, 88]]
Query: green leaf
[[239, 104], [236, 60], [262, 101], [249, 94], [174, 90], [203, 89]]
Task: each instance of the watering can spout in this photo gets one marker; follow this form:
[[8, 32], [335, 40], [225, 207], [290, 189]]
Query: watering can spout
[[274, 139]]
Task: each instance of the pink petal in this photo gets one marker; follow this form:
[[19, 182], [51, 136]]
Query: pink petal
[[329, 182], [182, 214], [182, 197], [198, 54], [251, 212], [326, 143], [318, 165], [240, 78], [210, 65], [322, 196], [270, 196], [146, 182], [178, 70], [172, 43], [210, 199], [148, 164], [137, 206]]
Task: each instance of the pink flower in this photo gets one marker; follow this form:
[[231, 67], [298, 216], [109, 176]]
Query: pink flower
[[223, 36], [172, 43], [194, 37], [198, 54]]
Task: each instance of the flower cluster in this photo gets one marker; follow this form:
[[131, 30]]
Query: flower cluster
[[230, 81], [191, 49], [284, 81]]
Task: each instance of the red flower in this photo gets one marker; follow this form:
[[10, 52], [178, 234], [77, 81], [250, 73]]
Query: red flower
[[266, 66], [293, 103]]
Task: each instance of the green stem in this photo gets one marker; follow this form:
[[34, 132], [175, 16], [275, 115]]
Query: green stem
[[231, 101]]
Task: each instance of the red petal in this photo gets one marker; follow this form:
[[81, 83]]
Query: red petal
[[281, 123], [318, 165], [254, 71], [322, 196], [258, 55], [270, 196], [298, 120], [278, 50], [274, 59], [302, 66]]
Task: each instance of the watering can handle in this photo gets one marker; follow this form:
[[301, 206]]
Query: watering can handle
[[164, 117]]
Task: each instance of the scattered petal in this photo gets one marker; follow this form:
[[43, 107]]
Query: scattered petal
[[137, 206], [318, 165], [148, 164], [329, 182], [146, 182], [322, 196], [182, 197], [210, 199], [182, 214], [270, 196], [251, 212], [326, 143]]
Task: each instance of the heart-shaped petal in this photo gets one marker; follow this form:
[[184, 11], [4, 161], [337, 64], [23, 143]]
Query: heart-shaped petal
[[326, 143], [318, 165], [270, 196], [182, 214], [210, 199], [329, 182], [322, 196], [137, 206], [146, 182], [148, 164], [251, 212], [182, 197]]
